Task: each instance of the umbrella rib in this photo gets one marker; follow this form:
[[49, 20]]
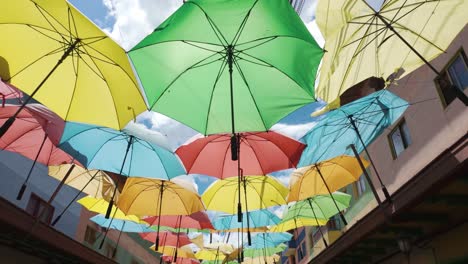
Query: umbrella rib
[[421, 37], [71, 19], [74, 86], [43, 12], [220, 72], [242, 25], [180, 75], [213, 25], [36, 28], [38, 127], [94, 155], [160, 160], [241, 73], [272, 37], [200, 47]]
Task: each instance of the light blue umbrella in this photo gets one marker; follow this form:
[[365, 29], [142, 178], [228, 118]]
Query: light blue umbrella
[[257, 218], [119, 152], [122, 225], [107, 149], [357, 123], [266, 240]]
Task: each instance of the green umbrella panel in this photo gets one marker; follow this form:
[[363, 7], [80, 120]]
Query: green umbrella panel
[[263, 252], [228, 66]]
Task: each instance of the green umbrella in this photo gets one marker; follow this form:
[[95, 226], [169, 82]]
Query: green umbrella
[[228, 66], [263, 252]]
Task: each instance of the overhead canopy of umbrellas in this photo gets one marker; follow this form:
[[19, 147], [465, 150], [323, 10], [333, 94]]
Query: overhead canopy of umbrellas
[[230, 70]]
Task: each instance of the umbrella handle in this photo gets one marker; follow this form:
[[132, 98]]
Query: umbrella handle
[[109, 208], [3, 99]]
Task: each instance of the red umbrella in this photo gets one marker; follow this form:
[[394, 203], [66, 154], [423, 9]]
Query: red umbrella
[[180, 260], [8, 91], [198, 220], [29, 137], [167, 238], [259, 154]]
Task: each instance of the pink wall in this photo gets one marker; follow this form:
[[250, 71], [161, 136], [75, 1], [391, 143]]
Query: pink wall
[[432, 127]]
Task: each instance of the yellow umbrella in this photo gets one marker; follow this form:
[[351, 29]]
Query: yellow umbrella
[[324, 177], [183, 252], [92, 182], [100, 206], [296, 223], [396, 39], [210, 254], [262, 260], [55, 54]]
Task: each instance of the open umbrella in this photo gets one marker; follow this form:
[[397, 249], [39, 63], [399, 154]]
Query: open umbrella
[[100, 206], [258, 218], [122, 225], [175, 253], [197, 221], [401, 35], [274, 259], [117, 151], [142, 196], [210, 254], [29, 136], [73, 67], [264, 252], [269, 239], [8, 91], [167, 238], [180, 260], [357, 123], [220, 61]]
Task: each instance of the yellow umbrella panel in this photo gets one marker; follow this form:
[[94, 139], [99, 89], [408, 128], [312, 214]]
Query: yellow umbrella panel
[[324, 177], [55, 54], [100, 206], [182, 252], [296, 223], [210, 254]]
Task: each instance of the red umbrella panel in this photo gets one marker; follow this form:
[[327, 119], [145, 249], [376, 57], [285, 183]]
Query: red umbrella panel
[[259, 154], [180, 260], [8, 91], [198, 220], [28, 136], [167, 238]]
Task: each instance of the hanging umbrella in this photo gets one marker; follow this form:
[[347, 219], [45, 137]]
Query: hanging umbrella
[[210, 254], [117, 151], [73, 67], [269, 239], [175, 253], [229, 76], [292, 224], [260, 154], [100, 206], [197, 221], [167, 238], [8, 91], [258, 218], [357, 123], [274, 259], [122, 225], [29, 137], [264, 252], [142, 196], [180, 260], [400, 36]]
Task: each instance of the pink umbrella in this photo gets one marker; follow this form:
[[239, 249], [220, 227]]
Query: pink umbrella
[[259, 154], [180, 260], [8, 91], [167, 238], [29, 137], [198, 220]]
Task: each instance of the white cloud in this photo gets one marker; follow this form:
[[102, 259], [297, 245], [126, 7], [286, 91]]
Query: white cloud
[[152, 136], [296, 131], [135, 19]]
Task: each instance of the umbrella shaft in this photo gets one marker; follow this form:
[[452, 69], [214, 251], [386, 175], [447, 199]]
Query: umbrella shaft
[[62, 182]]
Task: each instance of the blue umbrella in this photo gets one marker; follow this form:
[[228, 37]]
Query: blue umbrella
[[257, 218], [117, 151], [122, 225], [357, 123], [265, 240]]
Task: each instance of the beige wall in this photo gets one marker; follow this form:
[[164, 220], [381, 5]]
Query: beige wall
[[432, 127]]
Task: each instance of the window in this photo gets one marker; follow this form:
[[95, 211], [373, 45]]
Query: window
[[90, 235], [455, 74], [333, 223], [399, 139], [361, 186], [40, 209], [109, 251]]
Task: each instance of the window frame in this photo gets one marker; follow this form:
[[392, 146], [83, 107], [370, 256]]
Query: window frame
[[404, 140], [34, 205], [444, 71]]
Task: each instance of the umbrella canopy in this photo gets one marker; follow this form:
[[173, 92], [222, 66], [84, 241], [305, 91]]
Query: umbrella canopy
[[264, 252], [313, 180], [333, 134], [121, 225], [268, 239], [197, 220], [274, 259], [172, 251], [259, 154], [362, 42], [116, 151], [210, 254], [228, 75], [258, 218], [28, 137], [92, 182], [8, 91], [180, 260], [143, 196], [316, 208], [167, 238], [100, 206], [73, 67], [261, 192]]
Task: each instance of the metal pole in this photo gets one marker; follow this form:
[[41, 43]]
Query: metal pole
[[366, 174], [331, 196], [384, 189], [249, 238], [111, 203], [230, 61], [239, 203], [159, 215], [62, 182], [316, 220], [23, 187], [12, 119]]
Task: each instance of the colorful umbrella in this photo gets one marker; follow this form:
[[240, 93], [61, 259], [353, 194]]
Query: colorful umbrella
[[73, 67], [198, 221], [259, 154], [175, 253], [167, 238], [29, 137], [180, 260], [142, 196], [357, 123], [269, 239], [401, 35], [274, 259], [215, 66], [258, 218], [210, 254], [122, 225], [100, 206], [8, 91], [263, 252]]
